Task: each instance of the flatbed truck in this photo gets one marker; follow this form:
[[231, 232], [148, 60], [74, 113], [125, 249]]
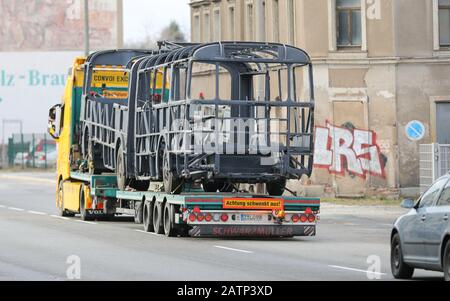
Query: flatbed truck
[[191, 213]]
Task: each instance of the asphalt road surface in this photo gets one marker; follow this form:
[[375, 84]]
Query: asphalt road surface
[[36, 244]]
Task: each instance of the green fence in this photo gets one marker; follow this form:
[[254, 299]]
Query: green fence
[[31, 151]]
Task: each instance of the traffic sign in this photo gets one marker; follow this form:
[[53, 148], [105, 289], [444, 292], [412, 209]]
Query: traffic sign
[[415, 130]]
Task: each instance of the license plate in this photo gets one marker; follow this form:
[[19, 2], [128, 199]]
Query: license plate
[[251, 217], [253, 204]]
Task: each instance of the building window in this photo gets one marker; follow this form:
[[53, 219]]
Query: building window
[[231, 20], [217, 26], [291, 21], [196, 25], [276, 20], [207, 28], [349, 27], [250, 23], [444, 23]]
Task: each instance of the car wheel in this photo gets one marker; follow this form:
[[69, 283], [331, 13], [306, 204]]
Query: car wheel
[[276, 188], [172, 184], [447, 262], [122, 181], [399, 269]]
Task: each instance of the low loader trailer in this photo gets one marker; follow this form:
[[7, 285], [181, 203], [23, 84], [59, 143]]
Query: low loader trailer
[[193, 212]]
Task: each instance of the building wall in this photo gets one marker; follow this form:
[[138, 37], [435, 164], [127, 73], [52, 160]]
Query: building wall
[[395, 77]]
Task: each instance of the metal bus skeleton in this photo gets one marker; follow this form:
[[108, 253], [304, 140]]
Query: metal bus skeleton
[[160, 131]]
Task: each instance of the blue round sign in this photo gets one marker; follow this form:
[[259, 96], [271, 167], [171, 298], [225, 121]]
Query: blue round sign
[[415, 130]]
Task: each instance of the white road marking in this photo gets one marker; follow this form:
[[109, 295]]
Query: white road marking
[[355, 270], [2, 206], [16, 209], [153, 233], [86, 222], [232, 249], [36, 212], [60, 217]]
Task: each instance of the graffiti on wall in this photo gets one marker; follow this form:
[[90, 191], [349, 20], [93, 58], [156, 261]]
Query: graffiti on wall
[[346, 148]]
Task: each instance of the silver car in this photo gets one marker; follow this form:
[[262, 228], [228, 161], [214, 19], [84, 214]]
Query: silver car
[[421, 238]]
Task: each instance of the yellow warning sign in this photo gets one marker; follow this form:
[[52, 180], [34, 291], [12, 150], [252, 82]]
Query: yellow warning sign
[[254, 203], [117, 79]]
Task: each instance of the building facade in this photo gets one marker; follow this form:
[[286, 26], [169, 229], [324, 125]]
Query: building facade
[[382, 84]]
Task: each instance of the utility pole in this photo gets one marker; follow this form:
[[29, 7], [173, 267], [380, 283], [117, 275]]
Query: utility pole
[[119, 24], [86, 28]]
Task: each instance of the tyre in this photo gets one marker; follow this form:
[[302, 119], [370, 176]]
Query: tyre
[[138, 213], [399, 269], [157, 218], [172, 183], [122, 181], [170, 229], [209, 186], [276, 188], [214, 186], [85, 215], [446, 262], [61, 210], [140, 185], [148, 217], [92, 154]]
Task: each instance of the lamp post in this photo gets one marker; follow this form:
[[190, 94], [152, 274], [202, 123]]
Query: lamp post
[[86, 28]]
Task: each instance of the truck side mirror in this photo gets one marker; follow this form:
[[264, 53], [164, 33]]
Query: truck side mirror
[[55, 117]]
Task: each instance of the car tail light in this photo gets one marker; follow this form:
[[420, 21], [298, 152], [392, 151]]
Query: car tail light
[[311, 218], [208, 217], [200, 217], [196, 209], [295, 218], [224, 217], [308, 211], [303, 218], [192, 217]]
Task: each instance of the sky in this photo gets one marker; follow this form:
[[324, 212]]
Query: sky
[[147, 17]]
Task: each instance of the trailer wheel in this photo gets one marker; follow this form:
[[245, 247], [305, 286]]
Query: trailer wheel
[[61, 210], [170, 229], [276, 188], [172, 183], [148, 217], [138, 213], [157, 218], [85, 216]]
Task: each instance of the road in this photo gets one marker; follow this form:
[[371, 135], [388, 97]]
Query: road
[[36, 244]]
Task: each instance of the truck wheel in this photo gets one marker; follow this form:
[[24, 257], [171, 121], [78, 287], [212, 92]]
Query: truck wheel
[[122, 181], [170, 229], [172, 184], [148, 217], [157, 218], [447, 262], [399, 269], [138, 213], [85, 216], [61, 210], [276, 188]]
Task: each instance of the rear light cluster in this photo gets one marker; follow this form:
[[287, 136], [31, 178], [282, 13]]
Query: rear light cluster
[[208, 217], [303, 218]]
